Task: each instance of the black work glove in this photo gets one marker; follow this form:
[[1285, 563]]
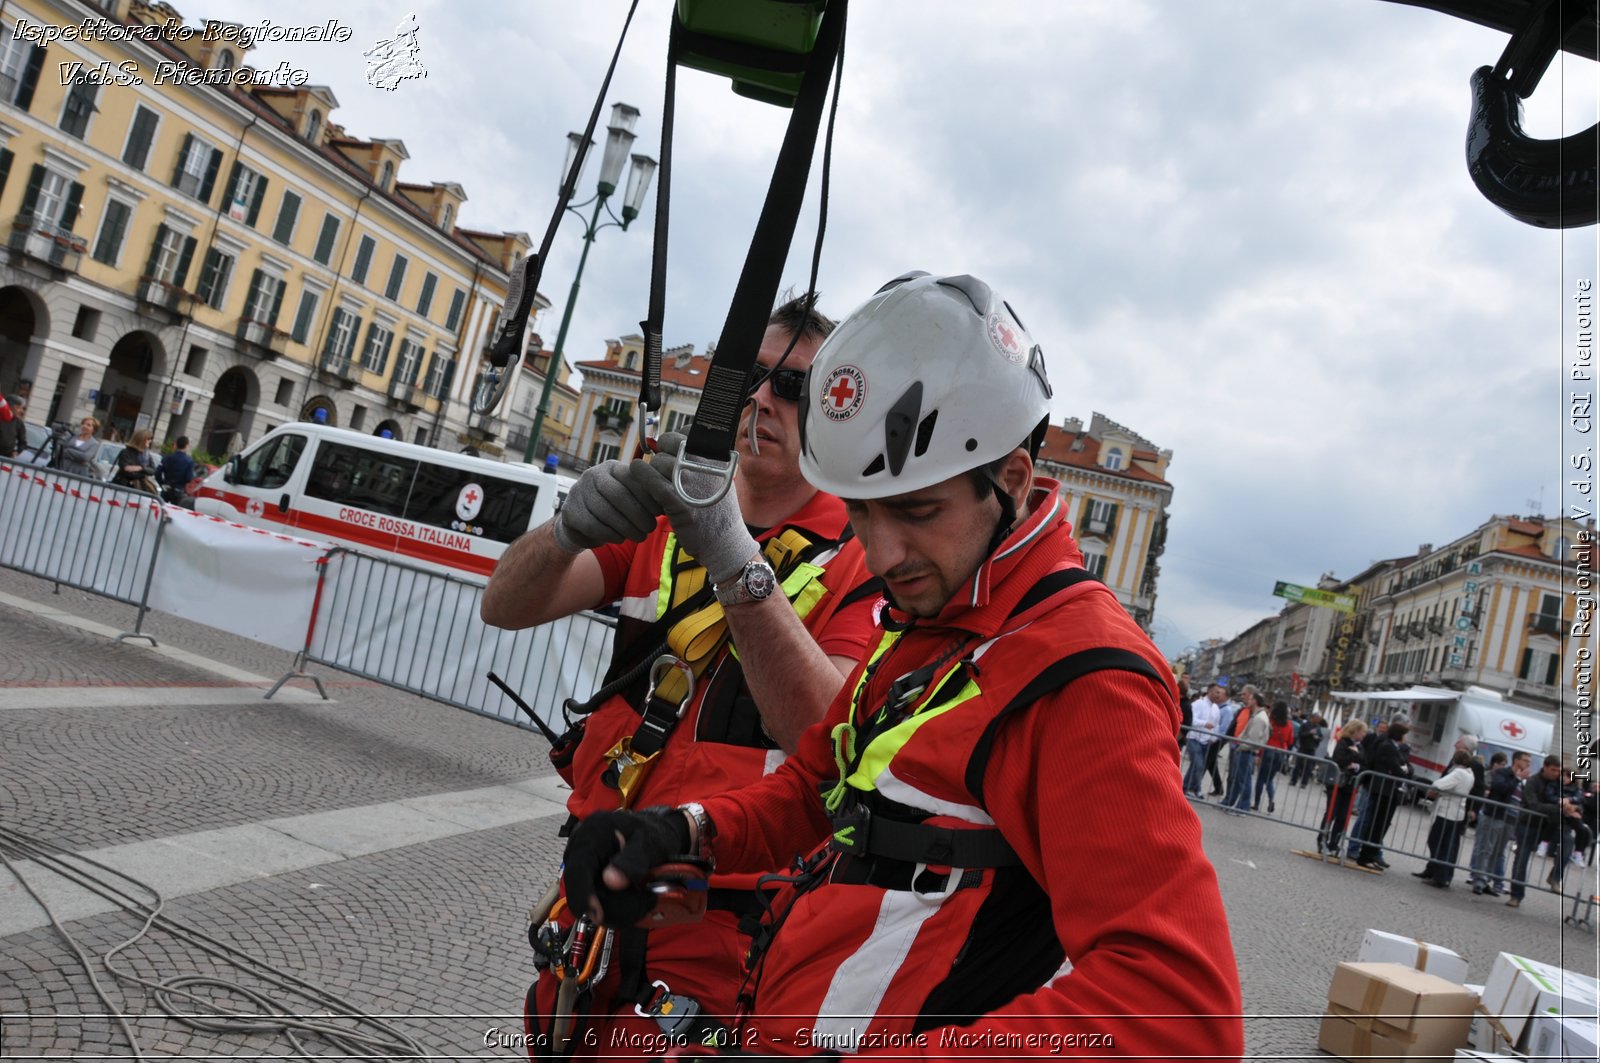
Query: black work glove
[[650, 837]]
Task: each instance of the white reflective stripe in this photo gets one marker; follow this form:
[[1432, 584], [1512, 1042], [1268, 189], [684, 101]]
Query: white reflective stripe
[[899, 790], [1062, 971], [822, 559], [640, 608], [1031, 536], [861, 981], [775, 757]]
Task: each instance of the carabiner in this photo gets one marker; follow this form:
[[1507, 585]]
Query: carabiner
[[722, 472], [664, 662]]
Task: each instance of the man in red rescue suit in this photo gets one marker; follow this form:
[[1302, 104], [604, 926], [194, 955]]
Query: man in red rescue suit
[[983, 879], [692, 584]]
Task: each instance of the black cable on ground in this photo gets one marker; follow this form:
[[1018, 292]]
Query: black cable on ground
[[327, 1018]]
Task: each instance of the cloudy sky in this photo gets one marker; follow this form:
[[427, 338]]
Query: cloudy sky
[[1243, 228]]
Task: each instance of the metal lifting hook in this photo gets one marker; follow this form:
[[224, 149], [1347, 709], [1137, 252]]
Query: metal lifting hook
[[723, 472]]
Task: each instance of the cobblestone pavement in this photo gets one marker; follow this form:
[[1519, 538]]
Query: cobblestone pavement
[[432, 934]]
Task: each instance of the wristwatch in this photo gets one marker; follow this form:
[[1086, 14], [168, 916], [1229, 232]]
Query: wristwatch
[[755, 582]]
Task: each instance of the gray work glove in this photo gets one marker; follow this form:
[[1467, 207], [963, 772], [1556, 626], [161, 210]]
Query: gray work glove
[[606, 505], [714, 535]]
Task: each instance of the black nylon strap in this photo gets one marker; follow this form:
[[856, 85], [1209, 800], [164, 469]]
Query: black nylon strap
[[1053, 678], [716, 419], [1052, 583], [651, 326], [918, 843]]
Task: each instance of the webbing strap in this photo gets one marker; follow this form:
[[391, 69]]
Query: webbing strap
[[716, 419], [651, 326]]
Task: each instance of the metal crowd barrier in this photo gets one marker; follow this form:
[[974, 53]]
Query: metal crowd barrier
[[418, 630], [1311, 804], [81, 533]]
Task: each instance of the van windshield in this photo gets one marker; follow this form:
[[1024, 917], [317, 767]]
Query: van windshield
[[459, 500], [272, 463]]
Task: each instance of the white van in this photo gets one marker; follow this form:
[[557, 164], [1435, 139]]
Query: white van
[[1439, 716], [442, 511]]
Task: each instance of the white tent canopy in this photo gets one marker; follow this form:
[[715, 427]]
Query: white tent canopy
[[1414, 693]]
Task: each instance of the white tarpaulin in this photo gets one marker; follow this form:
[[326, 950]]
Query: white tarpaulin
[[246, 581]]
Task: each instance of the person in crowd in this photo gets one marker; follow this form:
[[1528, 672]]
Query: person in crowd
[[1498, 815], [135, 465], [958, 877], [1390, 768], [786, 613], [1308, 743], [1450, 795], [1185, 696], [1279, 738], [1206, 721], [1591, 820], [1349, 758], [175, 472], [1250, 730], [13, 429], [1226, 713], [76, 455], [1544, 819]]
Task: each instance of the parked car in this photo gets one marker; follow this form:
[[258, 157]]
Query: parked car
[[105, 458], [36, 449]]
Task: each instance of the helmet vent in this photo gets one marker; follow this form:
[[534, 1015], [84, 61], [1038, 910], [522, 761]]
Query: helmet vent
[[898, 426], [978, 293], [925, 433], [875, 468]]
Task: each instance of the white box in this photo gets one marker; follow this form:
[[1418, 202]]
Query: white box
[[1520, 988], [1564, 1037], [1474, 1054], [1380, 946]]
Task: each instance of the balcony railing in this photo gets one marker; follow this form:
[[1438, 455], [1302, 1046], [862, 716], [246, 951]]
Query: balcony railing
[[1416, 629], [1545, 623], [405, 392], [607, 419], [339, 368], [48, 242], [267, 340], [1097, 526], [486, 427], [160, 293], [1399, 634], [1436, 625]]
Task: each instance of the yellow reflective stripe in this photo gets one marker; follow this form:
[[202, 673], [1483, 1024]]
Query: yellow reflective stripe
[[882, 749], [664, 588]]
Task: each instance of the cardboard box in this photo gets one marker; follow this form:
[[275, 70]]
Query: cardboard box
[[1380, 946], [1520, 988], [1391, 1011], [1565, 1037]]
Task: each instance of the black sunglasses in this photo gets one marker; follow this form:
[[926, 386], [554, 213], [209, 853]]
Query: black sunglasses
[[787, 384]]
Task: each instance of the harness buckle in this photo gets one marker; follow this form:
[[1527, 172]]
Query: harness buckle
[[671, 1011], [711, 468]]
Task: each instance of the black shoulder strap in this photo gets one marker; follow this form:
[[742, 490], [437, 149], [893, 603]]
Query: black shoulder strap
[[1055, 676], [1052, 583]]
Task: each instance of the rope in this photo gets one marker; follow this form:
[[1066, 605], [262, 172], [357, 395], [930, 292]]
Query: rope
[[328, 1018]]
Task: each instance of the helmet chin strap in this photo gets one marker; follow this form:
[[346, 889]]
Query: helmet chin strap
[[1008, 517]]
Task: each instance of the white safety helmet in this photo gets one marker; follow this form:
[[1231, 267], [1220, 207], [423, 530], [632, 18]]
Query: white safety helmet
[[930, 378]]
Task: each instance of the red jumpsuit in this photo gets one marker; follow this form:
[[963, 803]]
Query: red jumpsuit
[[1106, 932], [717, 745]]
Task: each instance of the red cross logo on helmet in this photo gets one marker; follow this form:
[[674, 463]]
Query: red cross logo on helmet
[[843, 392]]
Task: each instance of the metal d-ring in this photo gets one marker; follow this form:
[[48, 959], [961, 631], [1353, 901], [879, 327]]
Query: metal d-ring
[[686, 461], [661, 665]]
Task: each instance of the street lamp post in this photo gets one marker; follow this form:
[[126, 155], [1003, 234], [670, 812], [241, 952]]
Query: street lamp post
[[619, 138]]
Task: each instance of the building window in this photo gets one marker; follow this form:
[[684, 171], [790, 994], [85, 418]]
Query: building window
[[342, 335], [458, 302], [246, 189], [326, 239], [225, 60], [86, 324], [265, 298], [1101, 519], [603, 452], [388, 175], [79, 106], [397, 277], [47, 197], [20, 63], [215, 272], [141, 134], [1114, 458], [679, 421], [303, 316], [198, 163], [113, 227], [408, 362], [448, 216], [314, 126], [288, 214], [285, 392], [358, 272], [1539, 666], [170, 254], [375, 355], [425, 300]]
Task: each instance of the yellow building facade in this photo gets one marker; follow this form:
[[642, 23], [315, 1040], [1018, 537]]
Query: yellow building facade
[[212, 259]]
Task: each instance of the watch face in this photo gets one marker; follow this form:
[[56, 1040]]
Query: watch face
[[759, 580]]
